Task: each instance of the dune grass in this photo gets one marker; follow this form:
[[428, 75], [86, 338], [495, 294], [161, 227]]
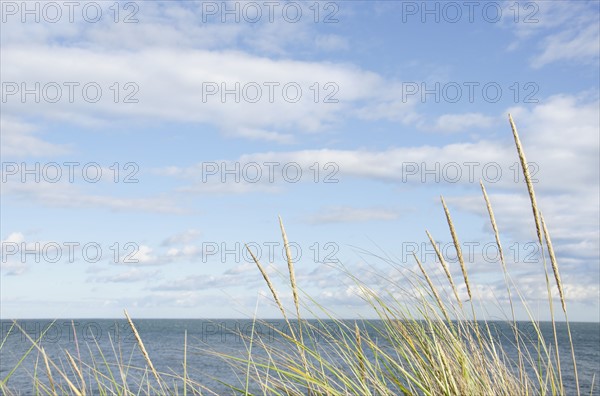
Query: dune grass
[[428, 342]]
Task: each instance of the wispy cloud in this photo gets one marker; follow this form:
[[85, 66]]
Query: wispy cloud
[[462, 122], [353, 215], [129, 276], [573, 46], [184, 237], [557, 31], [11, 263], [68, 195], [19, 139]]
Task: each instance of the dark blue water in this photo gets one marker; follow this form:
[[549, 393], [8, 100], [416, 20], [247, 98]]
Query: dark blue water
[[164, 341]]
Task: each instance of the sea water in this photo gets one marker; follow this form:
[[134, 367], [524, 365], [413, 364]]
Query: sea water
[[104, 342]]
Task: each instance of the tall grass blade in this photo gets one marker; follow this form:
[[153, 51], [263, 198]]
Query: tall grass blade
[[143, 349], [527, 176], [445, 267]]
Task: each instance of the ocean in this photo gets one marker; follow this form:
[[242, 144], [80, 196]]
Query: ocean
[[89, 339]]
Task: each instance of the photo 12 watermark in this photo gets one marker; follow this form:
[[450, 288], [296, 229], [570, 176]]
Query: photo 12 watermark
[[472, 252], [69, 172], [69, 92], [469, 11], [270, 11], [268, 172], [69, 11], [70, 252], [269, 251], [132, 253], [269, 92], [468, 91], [465, 172], [67, 331]]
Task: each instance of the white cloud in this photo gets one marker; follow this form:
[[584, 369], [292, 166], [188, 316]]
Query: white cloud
[[181, 238], [132, 275], [184, 25], [231, 187], [207, 281], [575, 46], [17, 250], [332, 42], [16, 237], [269, 136], [187, 251], [557, 31], [180, 52], [560, 136], [349, 215], [70, 196], [462, 122], [18, 140], [284, 90], [11, 263], [143, 255]]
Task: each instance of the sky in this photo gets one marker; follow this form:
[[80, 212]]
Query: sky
[[144, 144]]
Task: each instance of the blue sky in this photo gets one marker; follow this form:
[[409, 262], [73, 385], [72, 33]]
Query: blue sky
[[166, 135]]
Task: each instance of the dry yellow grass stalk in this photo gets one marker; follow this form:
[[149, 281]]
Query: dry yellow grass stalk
[[554, 265], [494, 225], [527, 176], [269, 284], [445, 267], [48, 372], [278, 302], [143, 348], [79, 374], [361, 362], [433, 289], [290, 264], [457, 247]]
